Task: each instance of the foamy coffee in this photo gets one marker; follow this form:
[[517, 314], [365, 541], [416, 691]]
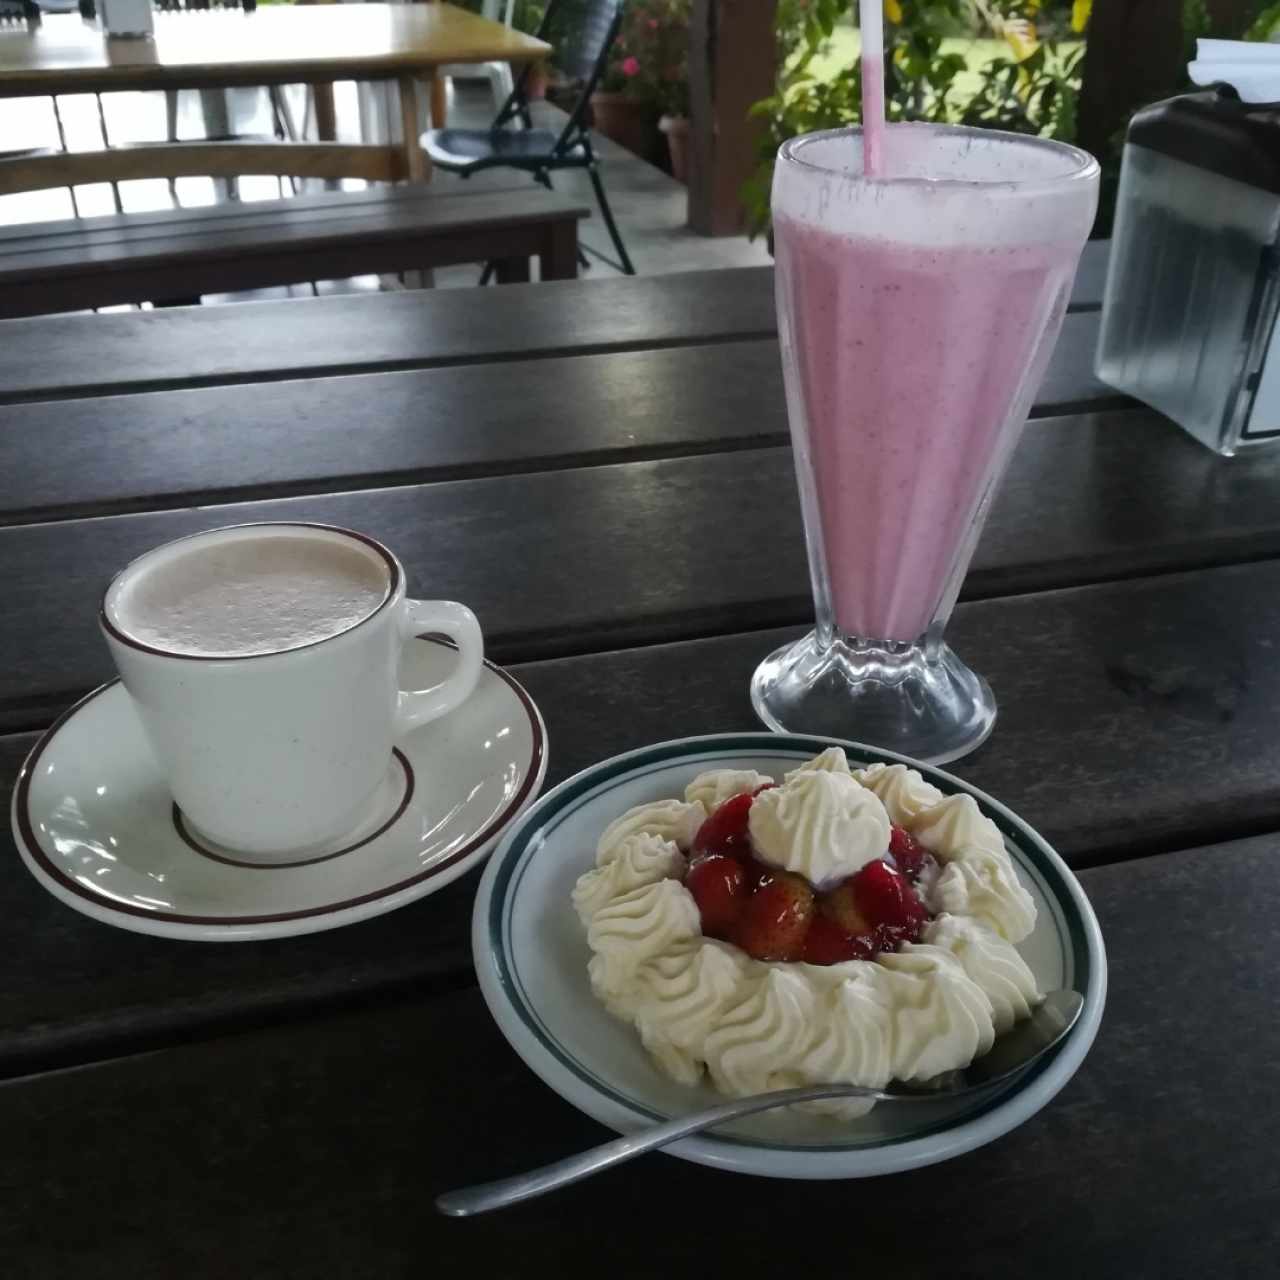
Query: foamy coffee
[[255, 592]]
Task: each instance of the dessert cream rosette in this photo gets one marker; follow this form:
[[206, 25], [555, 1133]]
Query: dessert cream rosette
[[703, 1005]]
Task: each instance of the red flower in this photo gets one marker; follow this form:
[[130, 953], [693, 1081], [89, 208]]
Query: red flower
[[653, 24], [630, 66]]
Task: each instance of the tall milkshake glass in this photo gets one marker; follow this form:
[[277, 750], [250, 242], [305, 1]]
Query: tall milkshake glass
[[917, 310]]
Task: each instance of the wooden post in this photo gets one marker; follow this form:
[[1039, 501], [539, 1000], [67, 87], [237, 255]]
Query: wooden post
[[733, 53], [1134, 55], [417, 166]]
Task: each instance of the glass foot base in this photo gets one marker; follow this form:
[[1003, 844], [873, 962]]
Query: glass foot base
[[894, 697]]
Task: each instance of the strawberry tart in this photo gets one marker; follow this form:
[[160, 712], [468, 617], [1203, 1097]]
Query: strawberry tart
[[840, 926]]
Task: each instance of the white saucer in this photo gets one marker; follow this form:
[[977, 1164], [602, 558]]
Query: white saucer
[[531, 958], [97, 827]]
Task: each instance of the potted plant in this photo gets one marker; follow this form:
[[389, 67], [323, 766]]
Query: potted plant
[[647, 77], [657, 36], [618, 108]]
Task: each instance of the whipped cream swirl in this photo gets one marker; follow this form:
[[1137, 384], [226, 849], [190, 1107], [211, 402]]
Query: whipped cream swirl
[[669, 819], [821, 824], [984, 886], [991, 963], [952, 824], [902, 791], [832, 760], [631, 929], [639, 859], [941, 1017], [978, 879], [704, 1006], [718, 785]]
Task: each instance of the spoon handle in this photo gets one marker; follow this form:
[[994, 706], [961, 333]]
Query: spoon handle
[[487, 1196]]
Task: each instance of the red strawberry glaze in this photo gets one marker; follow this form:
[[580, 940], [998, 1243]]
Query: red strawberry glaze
[[719, 887], [884, 896], [725, 830], [909, 855], [776, 915], [827, 943], [776, 918]]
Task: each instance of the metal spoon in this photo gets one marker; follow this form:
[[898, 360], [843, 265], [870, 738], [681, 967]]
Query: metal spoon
[[1012, 1052]]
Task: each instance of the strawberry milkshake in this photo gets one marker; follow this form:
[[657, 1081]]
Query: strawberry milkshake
[[918, 306]]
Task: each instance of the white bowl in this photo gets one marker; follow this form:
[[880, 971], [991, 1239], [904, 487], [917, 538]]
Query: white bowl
[[531, 957]]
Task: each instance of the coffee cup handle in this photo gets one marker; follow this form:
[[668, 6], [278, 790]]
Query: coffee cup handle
[[458, 623]]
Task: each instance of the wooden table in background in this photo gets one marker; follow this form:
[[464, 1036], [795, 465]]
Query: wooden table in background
[[275, 44], [601, 470]]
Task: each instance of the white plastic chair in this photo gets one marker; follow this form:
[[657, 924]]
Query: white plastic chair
[[499, 73]]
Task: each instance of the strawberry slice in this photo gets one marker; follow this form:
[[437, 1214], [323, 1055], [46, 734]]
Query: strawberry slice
[[840, 906], [725, 830], [719, 887], [883, 896], [909, 855], [827, 943], [776, 918]]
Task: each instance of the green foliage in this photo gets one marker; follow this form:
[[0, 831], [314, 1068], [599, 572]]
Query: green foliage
[[1037, 94], [649, 61], [527, 15], [1267, 24], [1033, 89]]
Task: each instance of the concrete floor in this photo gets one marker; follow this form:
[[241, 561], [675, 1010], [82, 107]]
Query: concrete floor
[[649, 205]]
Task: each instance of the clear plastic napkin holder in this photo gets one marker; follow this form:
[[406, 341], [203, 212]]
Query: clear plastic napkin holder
[[1193, 285]]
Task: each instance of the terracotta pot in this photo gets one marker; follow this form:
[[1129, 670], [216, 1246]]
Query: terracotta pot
[[677, 130], [629, 123]]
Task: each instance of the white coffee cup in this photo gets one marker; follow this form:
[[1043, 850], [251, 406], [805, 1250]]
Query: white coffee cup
[[262, 661]]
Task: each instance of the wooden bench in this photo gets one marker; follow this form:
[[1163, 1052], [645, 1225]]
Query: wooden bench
[[180, 254]]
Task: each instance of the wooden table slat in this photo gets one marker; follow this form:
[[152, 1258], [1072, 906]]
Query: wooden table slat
[[666, 558], [315, 1149], [61, 249], [271, 45], [615, 473], [356, 333], [1119, 734], [171, 447], [318, 207], [422, 329]]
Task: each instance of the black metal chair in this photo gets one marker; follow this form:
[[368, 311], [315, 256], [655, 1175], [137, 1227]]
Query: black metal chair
[[580, 55]]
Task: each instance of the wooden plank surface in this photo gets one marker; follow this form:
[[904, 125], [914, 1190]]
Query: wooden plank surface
[[60, 356], [75, 246], [318, 206], [57, 271], [138, 452], [42, 170], [665, 555], [272, 45], [1120, 733], [355, 333], [309, 1150]]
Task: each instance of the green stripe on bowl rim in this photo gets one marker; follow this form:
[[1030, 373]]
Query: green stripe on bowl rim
[[530, 833]]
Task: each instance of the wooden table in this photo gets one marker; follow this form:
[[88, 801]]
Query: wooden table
[[275, 44], [561, 456]]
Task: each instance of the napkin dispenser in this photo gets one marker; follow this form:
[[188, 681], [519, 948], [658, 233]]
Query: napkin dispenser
[[1190, 307]]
